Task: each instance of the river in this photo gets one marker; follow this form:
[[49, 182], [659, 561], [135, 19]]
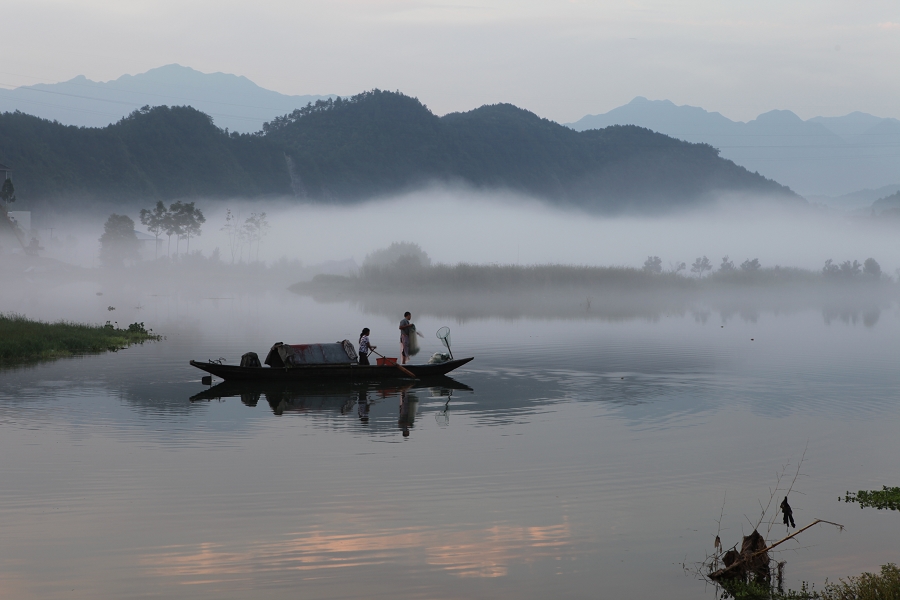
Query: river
[[575, 457]]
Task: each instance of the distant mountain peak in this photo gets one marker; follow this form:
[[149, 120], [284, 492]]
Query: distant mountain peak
[[234, 101], [822, 156], [642, 100], [778, 117]]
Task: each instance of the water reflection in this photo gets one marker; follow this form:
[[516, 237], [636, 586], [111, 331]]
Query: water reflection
[[849, 315], [365, 400], [465, 553]]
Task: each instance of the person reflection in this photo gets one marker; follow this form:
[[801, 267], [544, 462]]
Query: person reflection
[[407, 411], [362, 406], [250, 398]]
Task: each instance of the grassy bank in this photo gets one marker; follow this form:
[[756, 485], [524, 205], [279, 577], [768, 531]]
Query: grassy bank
[[868, 586], [23, 340], [493, 278]]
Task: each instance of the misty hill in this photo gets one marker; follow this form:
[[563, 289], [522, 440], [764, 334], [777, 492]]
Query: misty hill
[[855, 201], [378, 142], [826, 156], [888, 205], [372, 144], [234, 102], [159, 153]]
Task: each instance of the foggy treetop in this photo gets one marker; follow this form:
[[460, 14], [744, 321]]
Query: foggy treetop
[[375, 143]]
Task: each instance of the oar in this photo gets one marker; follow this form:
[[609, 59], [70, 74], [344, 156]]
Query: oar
[[394, 362]]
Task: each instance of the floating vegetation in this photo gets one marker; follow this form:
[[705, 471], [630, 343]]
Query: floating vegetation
[[887, 498]]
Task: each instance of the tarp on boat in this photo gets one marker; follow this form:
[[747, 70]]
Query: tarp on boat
[[291, 355]]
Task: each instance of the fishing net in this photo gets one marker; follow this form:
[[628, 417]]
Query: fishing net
[[443, 334], [413, 341]]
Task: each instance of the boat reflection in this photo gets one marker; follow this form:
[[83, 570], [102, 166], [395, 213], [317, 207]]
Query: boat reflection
[[343, 398]]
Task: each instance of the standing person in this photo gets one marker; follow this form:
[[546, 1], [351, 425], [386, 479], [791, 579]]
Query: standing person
[[406, 328], [364, 346]]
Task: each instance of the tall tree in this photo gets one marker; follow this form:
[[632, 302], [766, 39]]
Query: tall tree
[[256, 227], [700, 266], [233, 231], [173, 225], [118, 242], [155, 222], [189, 220], [653, 264]]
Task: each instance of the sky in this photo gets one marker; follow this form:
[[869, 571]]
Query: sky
[[560, 59]]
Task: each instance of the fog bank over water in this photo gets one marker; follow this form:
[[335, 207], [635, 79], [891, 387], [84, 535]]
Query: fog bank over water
[[455, 227]]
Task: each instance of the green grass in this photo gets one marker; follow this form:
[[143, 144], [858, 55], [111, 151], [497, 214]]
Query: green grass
[[886, 497], [868, 586], [23, 340]]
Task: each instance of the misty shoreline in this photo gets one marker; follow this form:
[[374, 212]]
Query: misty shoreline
[[608, 293], [471, 291]]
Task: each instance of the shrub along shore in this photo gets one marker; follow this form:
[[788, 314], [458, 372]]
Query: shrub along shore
[[492, 277], [23, 340]]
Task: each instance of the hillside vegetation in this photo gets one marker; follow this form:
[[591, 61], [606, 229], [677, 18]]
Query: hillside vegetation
[[372, 144]]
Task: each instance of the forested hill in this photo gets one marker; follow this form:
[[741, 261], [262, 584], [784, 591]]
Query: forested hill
[[376, 143], [154, 153], [379, 142]]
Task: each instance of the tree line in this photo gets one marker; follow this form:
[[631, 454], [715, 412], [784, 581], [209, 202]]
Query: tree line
[[253, 229], [183, 221], [180, 219], [119, 242], [845, 270]]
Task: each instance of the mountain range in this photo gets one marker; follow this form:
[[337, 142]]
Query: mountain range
[[844, 162], [234, 102], [821, 158], [373, 144]]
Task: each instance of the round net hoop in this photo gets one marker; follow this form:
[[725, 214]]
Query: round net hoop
[[443, 334]]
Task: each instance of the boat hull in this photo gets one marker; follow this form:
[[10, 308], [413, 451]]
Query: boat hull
[[342, 372]]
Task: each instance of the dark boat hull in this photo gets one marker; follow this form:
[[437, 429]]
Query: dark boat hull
[[348, 372]]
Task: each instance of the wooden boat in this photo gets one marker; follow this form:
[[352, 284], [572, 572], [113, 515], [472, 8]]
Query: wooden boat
[[313, 372]]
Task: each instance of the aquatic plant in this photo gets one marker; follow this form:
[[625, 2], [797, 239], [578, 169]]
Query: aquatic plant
[[886, 497]]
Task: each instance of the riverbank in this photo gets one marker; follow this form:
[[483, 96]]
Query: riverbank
[[465, 292], [23, 340], [559, 277]]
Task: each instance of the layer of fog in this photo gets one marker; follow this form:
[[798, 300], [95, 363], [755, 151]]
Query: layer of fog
[[453, 226], [506, 229]]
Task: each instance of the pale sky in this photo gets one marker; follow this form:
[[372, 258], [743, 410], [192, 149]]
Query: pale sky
[[560, 59]]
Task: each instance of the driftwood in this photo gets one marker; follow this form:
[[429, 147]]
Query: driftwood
[[753, 559]]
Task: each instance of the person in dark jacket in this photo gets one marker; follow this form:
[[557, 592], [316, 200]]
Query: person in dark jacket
[[788, 513]]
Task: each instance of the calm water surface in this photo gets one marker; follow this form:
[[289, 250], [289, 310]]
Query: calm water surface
[[573, 458]]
